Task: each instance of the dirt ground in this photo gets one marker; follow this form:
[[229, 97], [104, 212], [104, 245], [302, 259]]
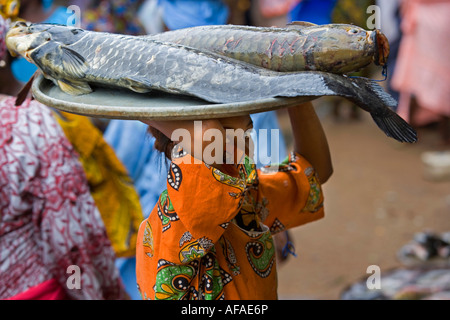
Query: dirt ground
[[376, 200]]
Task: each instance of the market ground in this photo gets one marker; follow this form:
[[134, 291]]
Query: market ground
[[376, 200]]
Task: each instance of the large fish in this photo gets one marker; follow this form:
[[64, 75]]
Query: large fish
[[301, 46], [75, 59]]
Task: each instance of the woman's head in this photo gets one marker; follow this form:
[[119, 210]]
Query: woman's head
[[231, 132]]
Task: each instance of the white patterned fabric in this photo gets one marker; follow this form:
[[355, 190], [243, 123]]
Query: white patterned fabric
[[48, 219]]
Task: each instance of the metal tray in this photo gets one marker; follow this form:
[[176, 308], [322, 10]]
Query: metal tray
[[122, 104]]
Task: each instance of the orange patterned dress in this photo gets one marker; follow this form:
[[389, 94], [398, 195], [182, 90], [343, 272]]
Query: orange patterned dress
[[210, 234]]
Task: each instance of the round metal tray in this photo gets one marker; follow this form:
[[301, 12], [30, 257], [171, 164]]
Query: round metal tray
[[122, 104]]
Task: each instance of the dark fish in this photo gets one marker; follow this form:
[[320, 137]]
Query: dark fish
[[75, 59]]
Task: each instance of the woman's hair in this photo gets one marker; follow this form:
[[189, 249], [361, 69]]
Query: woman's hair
[[162, 143]]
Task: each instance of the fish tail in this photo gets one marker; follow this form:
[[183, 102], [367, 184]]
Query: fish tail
[[395, 127], [389, 121]]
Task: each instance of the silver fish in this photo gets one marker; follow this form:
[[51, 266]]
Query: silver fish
[[301, 46]]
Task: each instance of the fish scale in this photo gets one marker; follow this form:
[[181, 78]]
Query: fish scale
[[184, 70]]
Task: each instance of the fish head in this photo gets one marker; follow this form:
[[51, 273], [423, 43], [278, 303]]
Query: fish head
[[22, 40], [350, 47], [46, 46], [60, 33]]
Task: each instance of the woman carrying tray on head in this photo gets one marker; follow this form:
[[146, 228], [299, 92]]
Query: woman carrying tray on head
[[210, 234]]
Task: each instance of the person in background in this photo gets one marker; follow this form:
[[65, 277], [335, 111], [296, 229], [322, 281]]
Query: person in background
[[390, 26], [108, 180], [422, 77], [52, 238], [422, 74]]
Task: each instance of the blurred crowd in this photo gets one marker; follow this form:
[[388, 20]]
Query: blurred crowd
[[118, 183]]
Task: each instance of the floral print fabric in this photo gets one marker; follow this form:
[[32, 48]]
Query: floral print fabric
[[210, 234], [48, 219]]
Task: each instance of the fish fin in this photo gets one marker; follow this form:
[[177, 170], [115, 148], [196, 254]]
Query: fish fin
[[74, 88], [138, 85], [300, 24], [23, 93], [140, 89], [395, 127], [371, 97], [73, 63], [389, 121]]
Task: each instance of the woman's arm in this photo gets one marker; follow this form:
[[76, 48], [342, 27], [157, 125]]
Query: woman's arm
[[310, 140]]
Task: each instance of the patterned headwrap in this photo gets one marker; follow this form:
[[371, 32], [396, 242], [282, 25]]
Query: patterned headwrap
[[3, 29]]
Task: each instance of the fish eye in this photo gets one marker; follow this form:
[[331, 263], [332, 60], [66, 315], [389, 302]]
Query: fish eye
[[46, 36], [353, 31]]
